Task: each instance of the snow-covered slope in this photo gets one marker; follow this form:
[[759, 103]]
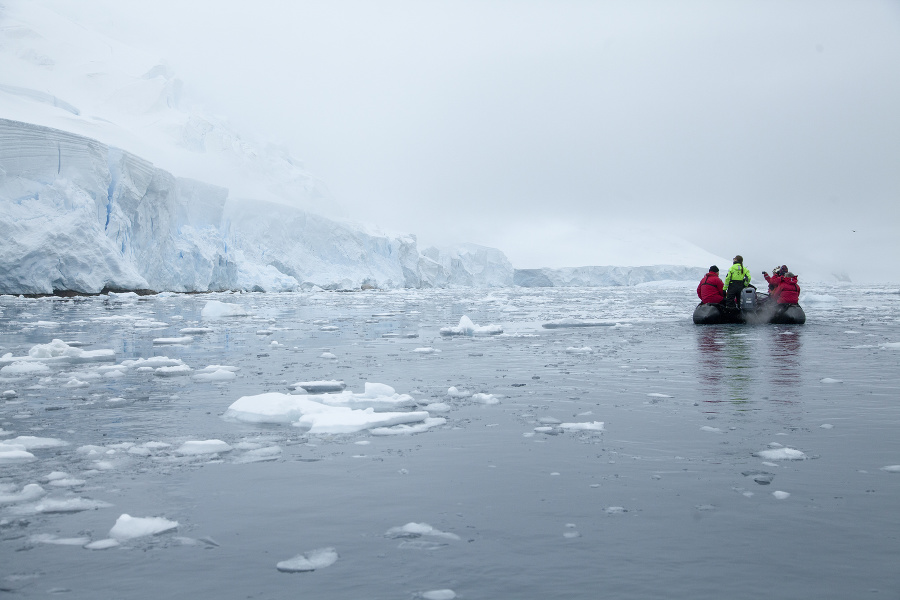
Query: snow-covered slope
[[604, 276]]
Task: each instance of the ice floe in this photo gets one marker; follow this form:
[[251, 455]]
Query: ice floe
[[586, 426], [30, 492], [173, 341], [467, 327], [199, 447], [581, 350], [128, 527], [415, 530], [327, 413], [891, 468], [781, 454], [220, 310], [441, 594], [309, 561]]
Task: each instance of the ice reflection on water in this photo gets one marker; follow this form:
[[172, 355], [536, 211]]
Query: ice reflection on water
[[657, 505]]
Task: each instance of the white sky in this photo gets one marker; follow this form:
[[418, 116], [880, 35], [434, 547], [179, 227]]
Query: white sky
[[568, 133]]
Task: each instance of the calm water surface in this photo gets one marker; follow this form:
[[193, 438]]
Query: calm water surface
[[669, 501]]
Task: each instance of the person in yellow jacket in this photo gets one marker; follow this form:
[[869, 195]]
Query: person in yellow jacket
[[737, 279]]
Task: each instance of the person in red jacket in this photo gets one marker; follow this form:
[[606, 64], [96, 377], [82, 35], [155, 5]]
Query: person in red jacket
[[787, 292], [711, 289], [775, 279]]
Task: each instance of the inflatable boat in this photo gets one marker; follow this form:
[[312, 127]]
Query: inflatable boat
[[755, 308]]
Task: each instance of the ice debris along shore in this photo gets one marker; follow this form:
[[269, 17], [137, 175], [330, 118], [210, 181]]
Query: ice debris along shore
[[341, 412]]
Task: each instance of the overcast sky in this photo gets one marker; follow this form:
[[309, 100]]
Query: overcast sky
[[547, 129]]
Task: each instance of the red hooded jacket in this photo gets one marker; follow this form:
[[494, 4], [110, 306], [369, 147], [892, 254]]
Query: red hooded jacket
[[711, 289], [787, 292], [774, 281]]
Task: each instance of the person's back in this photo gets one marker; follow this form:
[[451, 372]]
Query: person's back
[[737, 278], [788, 291], [711, 289]]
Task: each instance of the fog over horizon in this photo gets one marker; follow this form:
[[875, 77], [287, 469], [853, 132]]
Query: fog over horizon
[[567, 133]]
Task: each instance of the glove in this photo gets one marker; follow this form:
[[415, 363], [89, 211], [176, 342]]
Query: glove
[[764, 273]]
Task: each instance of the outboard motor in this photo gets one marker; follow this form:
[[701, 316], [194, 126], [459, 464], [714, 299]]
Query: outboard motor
[[748, 299]]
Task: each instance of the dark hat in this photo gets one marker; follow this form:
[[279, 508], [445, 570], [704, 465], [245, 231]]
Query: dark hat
[[714, 269], [739, 259]]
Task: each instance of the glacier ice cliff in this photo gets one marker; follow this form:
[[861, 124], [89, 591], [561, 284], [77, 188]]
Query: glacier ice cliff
[[79, 215], [604, 276]]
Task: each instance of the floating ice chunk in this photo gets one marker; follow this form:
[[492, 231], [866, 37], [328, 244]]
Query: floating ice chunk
[[219, 310], [781, 454], [195, 330], [467, 327], [172, 371], [306, 411], [329, 328], [128, 527], [30, 492], [319, 387], [22, 368], [414, 530], [67, 482], [47, 538], [587, 426], [615, 510], [437, 407], [443, 594], [104, 544], [171, 341], [409, 429], [658, 395], [60, 351], [76, 383], [826, 426], [153, 362], [346, 420], [780, 495], [562, 323], [486, 398], [830, 380], [8, 394], [218, 375], [328, 355], [140, 451], [891, 346], [65, 505], [582, 350], [710, 429], [13, 454], [891, 468], [453, 392], [30, 442], [193, 448], [374, 390], [214, 368], [428, 350], [259, 455], [310, 561]]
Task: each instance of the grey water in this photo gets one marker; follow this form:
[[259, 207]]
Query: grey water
[[670, 500]]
